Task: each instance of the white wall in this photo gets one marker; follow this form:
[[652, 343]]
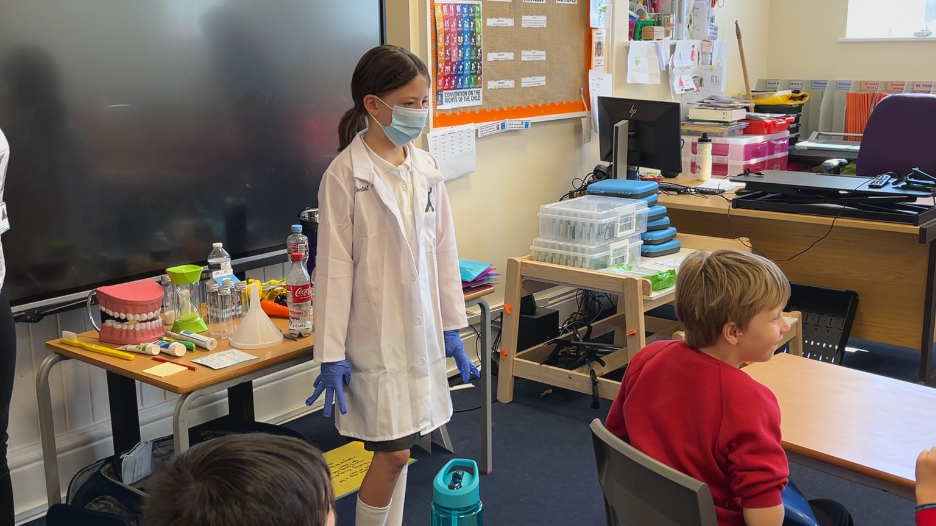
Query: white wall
[[804, 44]]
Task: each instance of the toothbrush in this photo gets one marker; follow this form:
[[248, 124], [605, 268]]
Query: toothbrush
[[70, 338]]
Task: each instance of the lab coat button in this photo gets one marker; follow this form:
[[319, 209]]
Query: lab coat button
[[418, 321], [412, 277], [420, 361]]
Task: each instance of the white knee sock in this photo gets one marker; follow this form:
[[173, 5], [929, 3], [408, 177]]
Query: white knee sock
[[366, 515], [395, 516]]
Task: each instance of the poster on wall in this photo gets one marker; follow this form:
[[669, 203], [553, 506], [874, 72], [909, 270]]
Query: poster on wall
[[459, 63]]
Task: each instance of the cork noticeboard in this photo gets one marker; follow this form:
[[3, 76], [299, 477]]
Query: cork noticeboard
[[564, 39]]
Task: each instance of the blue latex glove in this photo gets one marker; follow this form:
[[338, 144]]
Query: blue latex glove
[[330, 380], [455, 349]]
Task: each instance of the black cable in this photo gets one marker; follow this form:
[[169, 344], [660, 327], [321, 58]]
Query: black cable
[[807, 249]]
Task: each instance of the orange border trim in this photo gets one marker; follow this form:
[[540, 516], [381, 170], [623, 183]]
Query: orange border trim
[[458, 118]]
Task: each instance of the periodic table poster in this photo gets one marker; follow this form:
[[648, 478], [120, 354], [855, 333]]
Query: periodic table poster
[[458, 54]]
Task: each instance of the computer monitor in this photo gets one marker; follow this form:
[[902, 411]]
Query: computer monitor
[[647, 130]]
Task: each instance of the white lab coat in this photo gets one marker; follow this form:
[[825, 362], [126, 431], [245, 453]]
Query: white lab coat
[[378, 306]]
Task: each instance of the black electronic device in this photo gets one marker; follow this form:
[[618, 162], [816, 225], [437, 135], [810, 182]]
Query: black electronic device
[[880, 181], [831, 195], [540, 326], [683, 189], [648, 131], [143, 131]]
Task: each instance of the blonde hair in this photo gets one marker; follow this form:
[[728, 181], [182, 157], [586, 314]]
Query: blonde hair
[[716, 288]]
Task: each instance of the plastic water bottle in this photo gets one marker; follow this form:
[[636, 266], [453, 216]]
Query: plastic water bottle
[[456, 497], [219, 261], [299, 297], [297, 242], [704, 158]]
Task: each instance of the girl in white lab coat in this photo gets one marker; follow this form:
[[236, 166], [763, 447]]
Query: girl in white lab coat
[[388, 297]]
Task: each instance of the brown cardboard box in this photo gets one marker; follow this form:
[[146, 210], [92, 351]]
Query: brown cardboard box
[[653, 33]]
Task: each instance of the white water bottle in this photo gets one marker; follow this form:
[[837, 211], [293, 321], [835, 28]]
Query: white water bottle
[[704, 158]]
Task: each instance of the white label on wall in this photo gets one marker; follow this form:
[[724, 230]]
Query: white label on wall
[[922, 87], [797, 84], [819, 84], [532, 55], [501, 84], [498, 57], [491, 128], [500, 22], [843, 85], [508, 1], [534, 1], [518, 124], [773, 84], [534, 21], [532, 82], [570, 2]]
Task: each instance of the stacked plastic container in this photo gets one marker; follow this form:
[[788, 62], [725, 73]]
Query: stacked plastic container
[[732, 155], [591, 232]]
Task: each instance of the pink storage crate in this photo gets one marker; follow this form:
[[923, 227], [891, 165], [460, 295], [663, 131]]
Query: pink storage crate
[[724, 167], [742, 148]]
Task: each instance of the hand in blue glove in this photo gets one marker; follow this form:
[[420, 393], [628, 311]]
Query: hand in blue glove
[[330, 380], [455, 349]]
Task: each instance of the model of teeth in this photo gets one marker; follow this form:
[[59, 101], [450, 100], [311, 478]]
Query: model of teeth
[[130, 312]]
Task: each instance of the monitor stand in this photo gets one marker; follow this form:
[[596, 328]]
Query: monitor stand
[[620, 145]]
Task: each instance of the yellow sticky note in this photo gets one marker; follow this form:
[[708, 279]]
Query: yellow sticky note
[[164, 369], [348, 464]]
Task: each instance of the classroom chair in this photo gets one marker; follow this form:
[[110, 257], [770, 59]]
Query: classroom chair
[[899, 136], [645, 492]]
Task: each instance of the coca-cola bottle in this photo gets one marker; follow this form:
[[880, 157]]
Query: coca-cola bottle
[[299, 297]]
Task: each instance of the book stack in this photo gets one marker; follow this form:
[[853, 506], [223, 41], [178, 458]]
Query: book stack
[[476, 275], [717, 116]]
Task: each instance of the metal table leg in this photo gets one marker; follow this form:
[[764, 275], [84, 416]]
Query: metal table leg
[[47, 429], [487, 460], [240, 387], [927, 376], [124, 412]]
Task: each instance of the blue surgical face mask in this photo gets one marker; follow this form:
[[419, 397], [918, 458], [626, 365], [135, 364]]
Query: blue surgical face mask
[[407, 124]]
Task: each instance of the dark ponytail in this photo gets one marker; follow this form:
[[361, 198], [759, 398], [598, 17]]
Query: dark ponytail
[[351, 123], [380, 71]]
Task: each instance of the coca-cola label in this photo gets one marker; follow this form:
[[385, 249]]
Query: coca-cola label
[[299, 293]]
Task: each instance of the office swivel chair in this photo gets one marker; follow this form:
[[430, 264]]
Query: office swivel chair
[[644, 492], [899, 136]]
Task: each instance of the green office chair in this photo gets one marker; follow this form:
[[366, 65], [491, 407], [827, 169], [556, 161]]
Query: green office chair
[[644, 492]]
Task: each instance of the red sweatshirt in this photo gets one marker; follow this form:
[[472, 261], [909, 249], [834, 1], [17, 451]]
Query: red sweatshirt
[[706, 419], [926, 517]]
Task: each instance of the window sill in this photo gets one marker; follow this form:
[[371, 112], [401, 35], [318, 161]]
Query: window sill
[[847, 40]]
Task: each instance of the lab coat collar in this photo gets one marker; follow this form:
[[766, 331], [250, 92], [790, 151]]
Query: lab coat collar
[[365, 170]]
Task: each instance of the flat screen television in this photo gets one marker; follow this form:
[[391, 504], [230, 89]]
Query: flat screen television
[[142, 131]]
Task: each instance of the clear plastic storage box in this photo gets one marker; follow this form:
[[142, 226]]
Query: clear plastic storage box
[[593, 220], [591, 257], [743, 148], [722, 167]]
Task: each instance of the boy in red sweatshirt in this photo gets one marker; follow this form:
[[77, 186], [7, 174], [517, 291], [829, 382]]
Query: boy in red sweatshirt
[[688, 404], [926, 488]]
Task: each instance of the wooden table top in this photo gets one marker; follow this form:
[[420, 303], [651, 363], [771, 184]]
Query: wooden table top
[[185, 381], [869, 424], [718, 205], [188, 381]]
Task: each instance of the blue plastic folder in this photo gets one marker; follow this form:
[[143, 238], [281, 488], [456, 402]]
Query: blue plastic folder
[[470, 270]]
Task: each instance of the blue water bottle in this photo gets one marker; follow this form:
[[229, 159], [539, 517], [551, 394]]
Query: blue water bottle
[[456, 498]]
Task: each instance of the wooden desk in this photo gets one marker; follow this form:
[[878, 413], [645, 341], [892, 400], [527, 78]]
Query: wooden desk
[[237, 380], [855, 425], [890, 265]]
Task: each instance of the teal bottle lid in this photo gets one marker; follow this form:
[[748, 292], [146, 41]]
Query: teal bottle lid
[[456, 485]]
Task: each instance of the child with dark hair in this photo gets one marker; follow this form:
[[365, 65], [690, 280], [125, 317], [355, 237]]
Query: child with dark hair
[[240, 480]]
